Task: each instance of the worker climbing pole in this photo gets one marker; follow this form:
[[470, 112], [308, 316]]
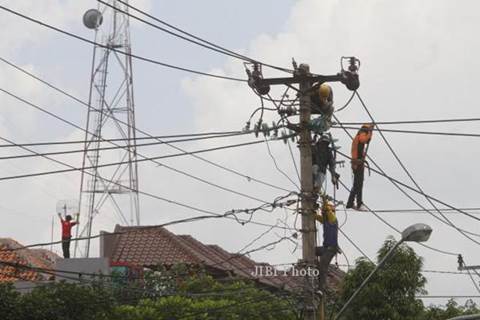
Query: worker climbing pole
[[316, 98]]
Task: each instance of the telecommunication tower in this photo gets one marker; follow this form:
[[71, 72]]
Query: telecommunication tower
[[111, 116]]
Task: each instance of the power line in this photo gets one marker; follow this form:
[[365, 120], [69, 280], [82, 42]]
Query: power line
[[71, 169], [417, 191], [411, 177], [417, 121], [395, 229], [116, 50], [396, 184], [424, 211], [471, 278], [249, 178], [283, 120], [122, 147], [144, 158], [408, 172], [355, 245], [347, 103], [276, 164], [454, 134], [196, 136], [104, 148], [204, 43], [211, 213]]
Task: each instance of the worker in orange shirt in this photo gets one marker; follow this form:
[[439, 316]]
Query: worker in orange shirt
[[359, 153], [67, 225]]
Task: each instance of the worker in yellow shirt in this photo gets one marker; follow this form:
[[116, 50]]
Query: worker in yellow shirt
[[329, 221]]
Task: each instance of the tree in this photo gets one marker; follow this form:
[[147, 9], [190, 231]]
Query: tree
[[9, 302], [451, 309], [390, 294], [67, 301], [203, 298], [159, 296]]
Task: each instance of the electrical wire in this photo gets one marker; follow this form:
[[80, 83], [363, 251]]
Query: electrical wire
[[285, 122], [473, 281], [395, 229], [144, 158], [103, 148], [423, 211], [211, 213], [204, 43], [417, 121], [128, 54], [276, 165], [355, 245], [397, 183], [429, 199], [453, 134], [80, 274], [249, 178], [471, 278], [71, 168], [347, 103], [196, 136]]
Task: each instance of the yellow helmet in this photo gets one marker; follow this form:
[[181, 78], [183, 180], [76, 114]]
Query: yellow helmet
[[324, 91], [328, 206]]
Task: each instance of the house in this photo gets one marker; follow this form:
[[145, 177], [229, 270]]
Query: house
[[11, 255], [154, 246]]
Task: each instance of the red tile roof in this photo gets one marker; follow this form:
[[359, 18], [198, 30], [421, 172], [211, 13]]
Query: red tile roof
[[154, 246], [31, 258]]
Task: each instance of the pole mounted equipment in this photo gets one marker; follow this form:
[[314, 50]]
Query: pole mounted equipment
[[308, 84], [255, 78]]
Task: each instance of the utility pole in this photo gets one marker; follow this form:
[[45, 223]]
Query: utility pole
[[312, 309], [307, 197]]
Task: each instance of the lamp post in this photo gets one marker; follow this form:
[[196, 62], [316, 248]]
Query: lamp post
[[418, 232]]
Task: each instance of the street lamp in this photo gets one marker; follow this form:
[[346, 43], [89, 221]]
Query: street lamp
[[418, 232]]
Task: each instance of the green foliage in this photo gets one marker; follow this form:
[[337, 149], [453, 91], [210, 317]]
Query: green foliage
[[451, 309], [390, 294], [163, 295], [159, 297], [67, 301], [204, 298], [9, 302]]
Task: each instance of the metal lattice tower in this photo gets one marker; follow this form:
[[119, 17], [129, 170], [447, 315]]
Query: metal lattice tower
[[111, 116]]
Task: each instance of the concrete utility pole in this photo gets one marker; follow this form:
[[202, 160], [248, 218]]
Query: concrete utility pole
[[302, 76], [308, 199]]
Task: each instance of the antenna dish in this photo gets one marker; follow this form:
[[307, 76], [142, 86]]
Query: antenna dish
[[92, 19], [69, 206]]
